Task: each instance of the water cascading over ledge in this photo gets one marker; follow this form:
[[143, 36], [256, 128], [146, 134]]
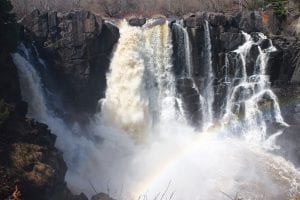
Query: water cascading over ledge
[[148, 100], [141, 90]]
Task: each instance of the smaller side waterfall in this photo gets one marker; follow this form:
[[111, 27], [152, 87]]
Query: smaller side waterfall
[[30, 84], [208, 112], [188, 56], [188, 91], [198, 92], [250, 103]]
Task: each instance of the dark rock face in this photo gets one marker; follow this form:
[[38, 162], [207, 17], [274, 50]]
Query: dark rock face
[[137, 21], [197, 19], [285, 62], [289, 99], [77, 46], [231, 40], [250, 22]]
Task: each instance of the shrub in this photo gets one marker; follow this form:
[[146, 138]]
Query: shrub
[[278, 7], [4, 111]]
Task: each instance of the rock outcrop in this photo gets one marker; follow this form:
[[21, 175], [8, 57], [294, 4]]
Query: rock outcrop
[[77, 47], [30, 165], [137, 21], [283, 64]]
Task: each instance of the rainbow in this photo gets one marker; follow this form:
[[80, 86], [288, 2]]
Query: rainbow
[[200, 138], [150, 179]]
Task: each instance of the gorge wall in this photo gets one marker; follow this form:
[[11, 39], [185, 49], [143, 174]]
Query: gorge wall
[[77, 45], [30, 165], [77, 48]]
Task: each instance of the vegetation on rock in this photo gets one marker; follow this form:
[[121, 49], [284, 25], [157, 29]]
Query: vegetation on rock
[[278, 7]]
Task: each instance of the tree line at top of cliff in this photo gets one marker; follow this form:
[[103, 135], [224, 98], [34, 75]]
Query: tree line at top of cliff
[[121, 8]]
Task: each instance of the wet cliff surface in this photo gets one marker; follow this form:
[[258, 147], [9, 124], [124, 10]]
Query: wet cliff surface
[[77, 47]]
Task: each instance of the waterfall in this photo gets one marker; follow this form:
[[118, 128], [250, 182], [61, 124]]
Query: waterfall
[[209, 90], [184, 45], [187, 49], [141, 89], [250, 103], [31, 86], [139, 147]]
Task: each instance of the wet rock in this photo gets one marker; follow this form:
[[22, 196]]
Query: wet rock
[[191, 101], [80, 197], [250, 21], [231, 40], [265, 44], [284, 63], [137, 21], [289, 100], [197, 19], [101, 196], [251, 60], [289, 142]]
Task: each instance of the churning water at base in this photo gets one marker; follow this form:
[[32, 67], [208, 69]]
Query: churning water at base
[[140, 147]]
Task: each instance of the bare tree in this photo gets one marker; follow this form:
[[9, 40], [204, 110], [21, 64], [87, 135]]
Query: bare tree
[[120, 8]]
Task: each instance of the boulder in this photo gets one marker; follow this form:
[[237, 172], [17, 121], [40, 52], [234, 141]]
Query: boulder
[[288, 142], [137, 21], [101, 196]]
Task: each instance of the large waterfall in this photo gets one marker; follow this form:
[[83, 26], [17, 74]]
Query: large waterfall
[[144, 145], [141, 88]]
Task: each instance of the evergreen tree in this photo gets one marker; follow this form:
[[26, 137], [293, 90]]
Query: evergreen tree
[[278, 7]]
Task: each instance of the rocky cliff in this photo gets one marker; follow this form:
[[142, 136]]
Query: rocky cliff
[[283, 64], [77, 46], [30, 165]]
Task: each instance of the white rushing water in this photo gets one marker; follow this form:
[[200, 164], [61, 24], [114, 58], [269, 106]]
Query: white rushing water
[[140, 148], [209, 90], [141, 88], [246, 93]]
